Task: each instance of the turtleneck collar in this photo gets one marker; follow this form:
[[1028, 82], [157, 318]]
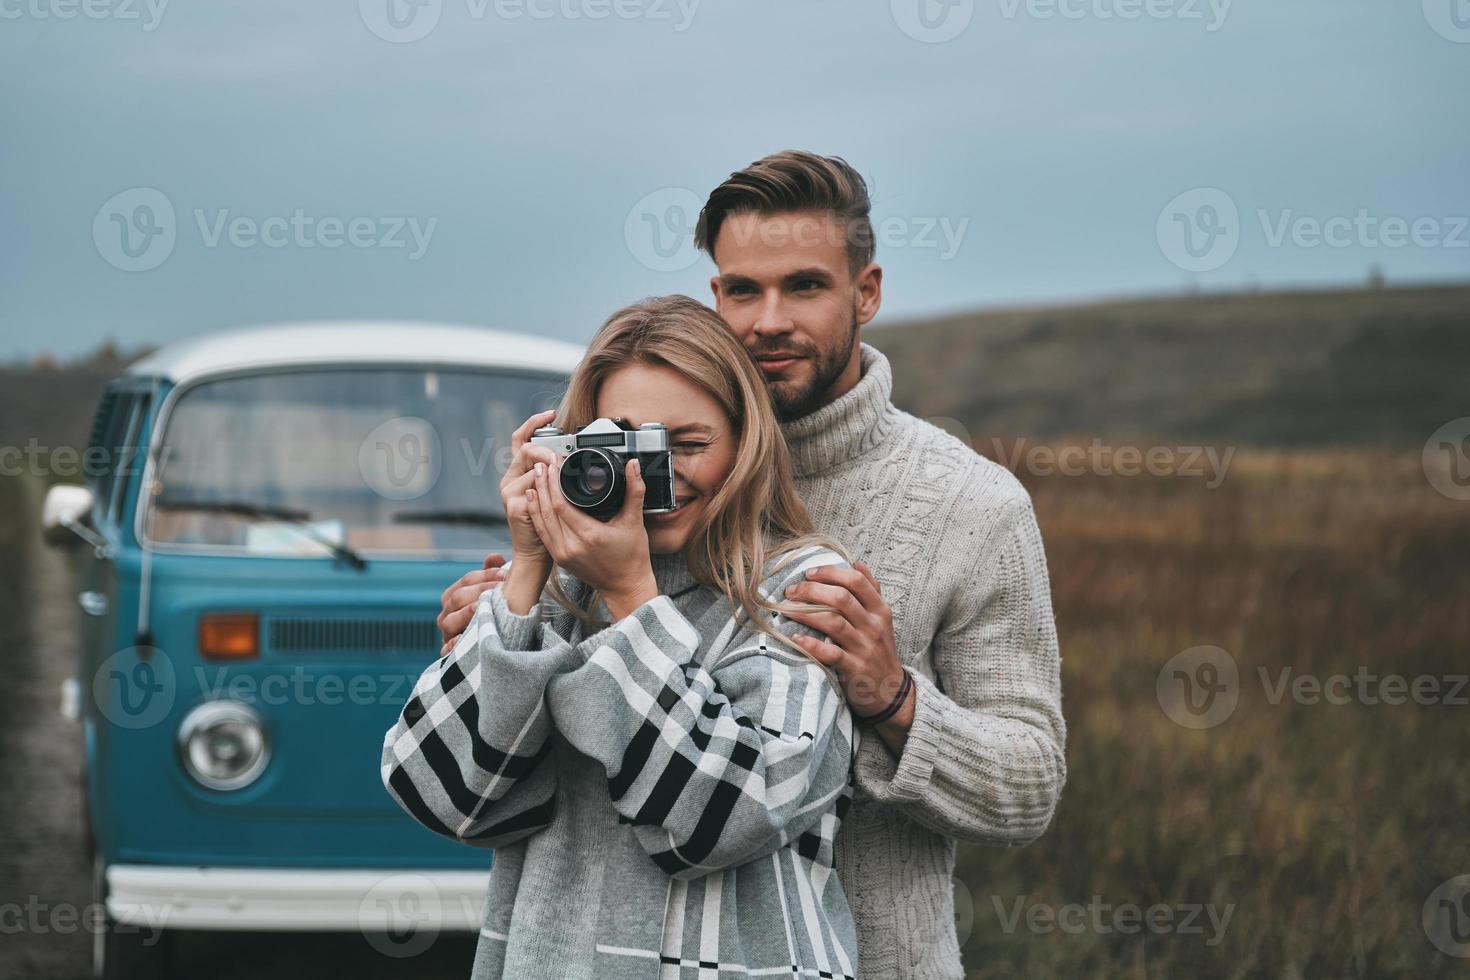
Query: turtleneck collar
[[855, 424], [671, 572]]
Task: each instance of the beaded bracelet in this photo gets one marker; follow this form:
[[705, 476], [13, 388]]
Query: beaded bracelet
[[893, 706]]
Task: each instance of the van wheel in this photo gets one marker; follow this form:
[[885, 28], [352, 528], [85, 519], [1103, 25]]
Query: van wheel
[[125, 952]]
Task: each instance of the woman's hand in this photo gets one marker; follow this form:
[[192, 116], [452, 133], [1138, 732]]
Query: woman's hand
[[611, 557], [530, 565], [527, 548]]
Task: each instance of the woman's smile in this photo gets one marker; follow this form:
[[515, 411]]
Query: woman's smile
[[681, 505]]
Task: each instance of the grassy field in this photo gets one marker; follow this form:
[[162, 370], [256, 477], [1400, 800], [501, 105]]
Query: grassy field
[[1323, 828], [1320, 830], [1323, 557]]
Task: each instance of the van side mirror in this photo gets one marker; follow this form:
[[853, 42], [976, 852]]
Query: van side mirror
[[63, 516]]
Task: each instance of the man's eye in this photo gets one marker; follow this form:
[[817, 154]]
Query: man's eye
[[808, 284], [741, 290]]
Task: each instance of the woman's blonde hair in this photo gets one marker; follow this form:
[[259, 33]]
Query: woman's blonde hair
[[756, 516]]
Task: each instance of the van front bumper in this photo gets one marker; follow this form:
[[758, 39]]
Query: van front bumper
[[295, 899]]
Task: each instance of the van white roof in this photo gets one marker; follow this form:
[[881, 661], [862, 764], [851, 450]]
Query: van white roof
[[355, 342]]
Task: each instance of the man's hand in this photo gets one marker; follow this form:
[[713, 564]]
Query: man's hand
[[457, 604], [860, 645]]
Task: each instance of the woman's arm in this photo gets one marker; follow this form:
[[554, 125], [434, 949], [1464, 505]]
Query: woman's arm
[[467, 756], [712, 768]]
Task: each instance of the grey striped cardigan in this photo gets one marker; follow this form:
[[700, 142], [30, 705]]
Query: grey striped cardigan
[[663, 795]]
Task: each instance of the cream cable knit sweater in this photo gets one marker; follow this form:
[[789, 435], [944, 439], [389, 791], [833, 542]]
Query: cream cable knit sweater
[[954, 544]]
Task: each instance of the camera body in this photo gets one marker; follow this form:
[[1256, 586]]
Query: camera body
[[596, 456]]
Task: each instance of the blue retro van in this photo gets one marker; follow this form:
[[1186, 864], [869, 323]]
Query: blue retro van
[[270, 518]]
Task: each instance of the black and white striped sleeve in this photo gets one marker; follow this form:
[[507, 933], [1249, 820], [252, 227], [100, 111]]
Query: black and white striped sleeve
[[713, 769], [467, 757]]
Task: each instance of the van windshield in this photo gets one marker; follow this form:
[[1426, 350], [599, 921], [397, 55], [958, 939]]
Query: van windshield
[[343, 462]]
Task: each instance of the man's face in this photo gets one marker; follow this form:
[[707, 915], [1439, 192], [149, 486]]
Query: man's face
[[788, 293]]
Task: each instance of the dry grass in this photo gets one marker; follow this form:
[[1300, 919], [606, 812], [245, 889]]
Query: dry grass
[[1326, 826]]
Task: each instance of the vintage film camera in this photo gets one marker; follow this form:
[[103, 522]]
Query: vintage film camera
[[596, 455]]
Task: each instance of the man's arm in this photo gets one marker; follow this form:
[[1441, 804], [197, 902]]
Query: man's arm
[[980, 756], [984, 759]]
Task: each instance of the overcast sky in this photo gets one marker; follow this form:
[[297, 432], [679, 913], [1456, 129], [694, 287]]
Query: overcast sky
[[175, 167]]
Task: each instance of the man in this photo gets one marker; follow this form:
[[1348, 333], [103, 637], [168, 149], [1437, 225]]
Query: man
[[958, 647]]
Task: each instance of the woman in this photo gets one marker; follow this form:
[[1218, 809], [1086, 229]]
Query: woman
[[663, 792]]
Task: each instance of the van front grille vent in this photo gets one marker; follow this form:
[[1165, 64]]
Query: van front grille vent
[[317, 635]]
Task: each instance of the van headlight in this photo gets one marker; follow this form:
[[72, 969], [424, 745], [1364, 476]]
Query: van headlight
[[223, 745]]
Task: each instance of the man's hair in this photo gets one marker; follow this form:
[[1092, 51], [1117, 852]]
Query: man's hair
[[794, 181]]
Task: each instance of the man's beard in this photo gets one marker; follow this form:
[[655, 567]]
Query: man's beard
[[792, 401]]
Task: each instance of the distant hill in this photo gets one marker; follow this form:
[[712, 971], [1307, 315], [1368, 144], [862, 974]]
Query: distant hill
[[1379, 368], [1364, 367]]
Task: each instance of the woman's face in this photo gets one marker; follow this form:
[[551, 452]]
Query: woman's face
[[700, 435]]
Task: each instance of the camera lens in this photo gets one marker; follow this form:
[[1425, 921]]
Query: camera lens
[[595, 478], [591, 480]]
